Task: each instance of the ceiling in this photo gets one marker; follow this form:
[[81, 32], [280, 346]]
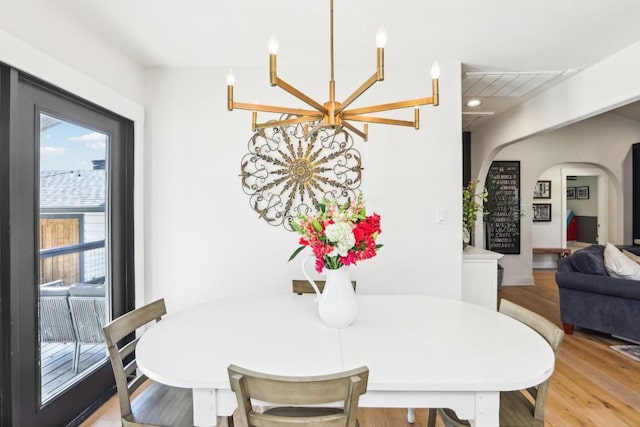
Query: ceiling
[[501, 36]]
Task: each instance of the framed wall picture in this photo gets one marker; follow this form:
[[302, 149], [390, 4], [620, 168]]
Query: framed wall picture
[[503, 205], [542, 212], [571, 192], [582, 192], [542, 190]]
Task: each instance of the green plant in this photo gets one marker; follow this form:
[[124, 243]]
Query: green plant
[[472, 204]]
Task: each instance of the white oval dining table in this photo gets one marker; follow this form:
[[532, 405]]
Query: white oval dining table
[[422, 352]]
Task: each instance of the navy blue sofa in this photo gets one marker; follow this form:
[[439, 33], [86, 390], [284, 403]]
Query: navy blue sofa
[[592, 299]]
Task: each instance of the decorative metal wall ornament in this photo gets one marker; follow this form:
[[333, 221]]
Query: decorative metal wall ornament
[[285, 174]]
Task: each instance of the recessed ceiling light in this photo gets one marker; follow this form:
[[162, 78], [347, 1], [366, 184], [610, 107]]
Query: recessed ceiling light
[[473, 102]]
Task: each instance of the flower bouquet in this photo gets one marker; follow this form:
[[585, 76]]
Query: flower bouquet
[[339, 234]]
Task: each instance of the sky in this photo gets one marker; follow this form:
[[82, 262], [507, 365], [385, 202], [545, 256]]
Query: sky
[[67, 146]]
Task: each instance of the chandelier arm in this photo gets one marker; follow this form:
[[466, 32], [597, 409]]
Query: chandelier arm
[[366, 85], [276, 109], [364, 135], [301, 96], [387, 107], [274, 123], [382, 120]]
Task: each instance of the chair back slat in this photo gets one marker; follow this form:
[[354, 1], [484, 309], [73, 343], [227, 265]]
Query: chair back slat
[[550, 332], [344, 387], [127, 381], [129, 322]]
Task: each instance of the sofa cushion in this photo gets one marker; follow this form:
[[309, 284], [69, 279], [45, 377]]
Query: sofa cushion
[[589, 260], [619, 265]]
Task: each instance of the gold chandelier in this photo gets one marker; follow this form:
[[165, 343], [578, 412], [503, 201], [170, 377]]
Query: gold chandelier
[[333, 114]]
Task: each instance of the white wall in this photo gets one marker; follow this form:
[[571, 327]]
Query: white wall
[[604, 141], [204, 240], [47, 27], [584, 207]]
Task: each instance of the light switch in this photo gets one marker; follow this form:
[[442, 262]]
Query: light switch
[[441, 216]]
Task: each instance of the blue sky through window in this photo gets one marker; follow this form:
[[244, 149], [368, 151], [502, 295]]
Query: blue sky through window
[[66, 146]]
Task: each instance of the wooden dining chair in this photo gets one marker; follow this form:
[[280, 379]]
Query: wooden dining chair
[[516, 407], [155, 404], [292, 394]]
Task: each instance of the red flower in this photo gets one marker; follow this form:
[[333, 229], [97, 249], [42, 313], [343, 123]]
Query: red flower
[[312, 229]]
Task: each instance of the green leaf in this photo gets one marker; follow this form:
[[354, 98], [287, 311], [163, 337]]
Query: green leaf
[[296, 252], [317, 225]]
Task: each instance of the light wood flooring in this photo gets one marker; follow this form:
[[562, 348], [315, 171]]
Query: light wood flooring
[[592, 385]]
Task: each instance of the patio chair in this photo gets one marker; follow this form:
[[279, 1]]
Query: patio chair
[[516, 407], [55, 316], [88, 312], [284, 390]]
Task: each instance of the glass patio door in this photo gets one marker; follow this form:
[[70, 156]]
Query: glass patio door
[[70, 250], [73, 231]]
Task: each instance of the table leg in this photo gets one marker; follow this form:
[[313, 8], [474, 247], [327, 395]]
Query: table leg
[[487, 413], [204, 408]]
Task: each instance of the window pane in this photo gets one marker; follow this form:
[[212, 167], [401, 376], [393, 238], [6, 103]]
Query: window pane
[[73, 260]]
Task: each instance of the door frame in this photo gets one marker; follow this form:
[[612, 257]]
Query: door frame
[[603, 199], [16, 308]]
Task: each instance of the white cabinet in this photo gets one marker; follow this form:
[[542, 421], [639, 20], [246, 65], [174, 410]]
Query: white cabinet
[[480, 276]]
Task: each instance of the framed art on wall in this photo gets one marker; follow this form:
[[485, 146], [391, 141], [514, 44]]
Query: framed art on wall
[[542, 212], [571, 192], [542, 190], [582, 192], [503, 205]]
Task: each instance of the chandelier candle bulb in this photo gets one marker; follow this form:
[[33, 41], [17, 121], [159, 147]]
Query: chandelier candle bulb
[[273, 45], [381, 37], [435, 75], [435, 70], [231, 80]]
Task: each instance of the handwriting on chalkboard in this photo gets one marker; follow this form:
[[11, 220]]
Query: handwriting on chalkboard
[[503, 206]]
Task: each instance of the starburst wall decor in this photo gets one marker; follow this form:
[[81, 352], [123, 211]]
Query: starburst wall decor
[[284, 174]]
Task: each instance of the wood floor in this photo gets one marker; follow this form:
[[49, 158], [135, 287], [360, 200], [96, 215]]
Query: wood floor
[[592, 385]]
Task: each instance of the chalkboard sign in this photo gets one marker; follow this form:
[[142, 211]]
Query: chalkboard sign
[[503, 206]]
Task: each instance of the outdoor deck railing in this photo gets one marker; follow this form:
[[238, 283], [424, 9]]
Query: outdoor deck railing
[[80, 263]]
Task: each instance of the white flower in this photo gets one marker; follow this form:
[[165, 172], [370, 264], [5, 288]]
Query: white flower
[[340, 234]]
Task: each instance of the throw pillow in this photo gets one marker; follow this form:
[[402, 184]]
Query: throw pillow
[[589, 260], [633, 257], [618, 265]]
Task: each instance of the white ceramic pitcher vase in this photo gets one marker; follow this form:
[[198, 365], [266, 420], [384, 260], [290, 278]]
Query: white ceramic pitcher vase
[[337, 304]]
